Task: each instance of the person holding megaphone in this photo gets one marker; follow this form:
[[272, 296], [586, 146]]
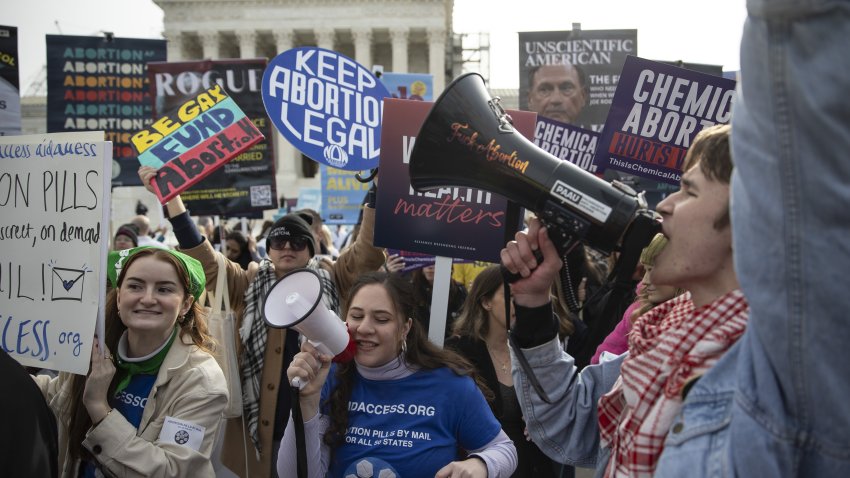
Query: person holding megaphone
[[402, 407], [618, 415], [250, 450]]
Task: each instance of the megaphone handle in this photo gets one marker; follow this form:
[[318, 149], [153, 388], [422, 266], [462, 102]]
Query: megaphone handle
[[297, 383], [510, 277]]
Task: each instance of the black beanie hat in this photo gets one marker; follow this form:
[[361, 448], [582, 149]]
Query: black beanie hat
[[293, 225], [130, 231]]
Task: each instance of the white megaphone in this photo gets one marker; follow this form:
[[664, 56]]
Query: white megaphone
[[295, 302]]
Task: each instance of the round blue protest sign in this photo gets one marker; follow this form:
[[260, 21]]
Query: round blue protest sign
[[327, 105]]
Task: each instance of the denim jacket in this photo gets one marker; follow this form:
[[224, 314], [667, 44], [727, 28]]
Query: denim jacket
[[567, 430], [777, 403]]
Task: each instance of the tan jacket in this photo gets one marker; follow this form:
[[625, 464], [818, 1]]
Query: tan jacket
[[189, 387], [360, 257]]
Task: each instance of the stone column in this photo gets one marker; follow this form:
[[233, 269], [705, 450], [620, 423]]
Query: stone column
[[363, 46], [287, 156], [247, 43], [174, 45], [399, 37], [283, 40], [437, 58], [325, 38], [209, 41]]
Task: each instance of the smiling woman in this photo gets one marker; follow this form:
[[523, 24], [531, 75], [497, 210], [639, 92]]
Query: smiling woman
[[155, 328], [402, 405]]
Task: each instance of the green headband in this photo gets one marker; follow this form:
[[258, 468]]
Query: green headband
[[197, 279]]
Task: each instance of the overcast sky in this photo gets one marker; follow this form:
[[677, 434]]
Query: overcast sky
[[667, 29]]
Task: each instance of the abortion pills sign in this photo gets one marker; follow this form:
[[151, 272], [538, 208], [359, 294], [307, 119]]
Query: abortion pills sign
[[54, 215], [327, 105]]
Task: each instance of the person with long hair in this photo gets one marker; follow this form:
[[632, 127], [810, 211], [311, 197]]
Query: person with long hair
[[648, 296], [480, 335], [238, 250], [402, 405], [423, 288], [250, 442], [151, 404]]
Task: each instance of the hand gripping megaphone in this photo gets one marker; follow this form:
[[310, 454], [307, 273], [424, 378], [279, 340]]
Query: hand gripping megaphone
[[295, 302], [468, 140]]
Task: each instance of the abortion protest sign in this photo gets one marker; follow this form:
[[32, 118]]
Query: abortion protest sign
[[342, 195], [194, 140], [10, 90], [567, 142], [327, 105], [54, 207], [309, 198], [571, 76], [95, 84], [459, 222], [412, 260], [409, 86], [657, 111], [245, 186]]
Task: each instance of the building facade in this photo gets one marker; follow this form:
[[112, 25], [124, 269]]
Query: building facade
[[406, 36], [403, 36]]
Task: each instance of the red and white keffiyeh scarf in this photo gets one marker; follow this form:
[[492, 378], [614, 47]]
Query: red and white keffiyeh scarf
[[667, 346]]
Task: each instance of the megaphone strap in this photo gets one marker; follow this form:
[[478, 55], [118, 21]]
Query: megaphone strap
[[523, 362]]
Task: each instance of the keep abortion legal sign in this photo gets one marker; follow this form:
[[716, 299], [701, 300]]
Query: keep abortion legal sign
[[327, 105]]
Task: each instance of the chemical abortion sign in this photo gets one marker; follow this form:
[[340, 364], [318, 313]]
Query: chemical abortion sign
[[327, 105]]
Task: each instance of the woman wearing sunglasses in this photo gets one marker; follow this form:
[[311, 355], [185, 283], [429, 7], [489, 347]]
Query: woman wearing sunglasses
[[267, 352]]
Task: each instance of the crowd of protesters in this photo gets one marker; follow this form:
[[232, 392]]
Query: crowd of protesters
[[727, 363]]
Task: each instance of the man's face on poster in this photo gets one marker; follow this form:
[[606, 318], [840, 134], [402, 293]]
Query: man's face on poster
[[556, 92]]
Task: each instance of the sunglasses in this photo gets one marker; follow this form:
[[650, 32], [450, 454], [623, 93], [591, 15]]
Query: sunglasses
[[297, 244]]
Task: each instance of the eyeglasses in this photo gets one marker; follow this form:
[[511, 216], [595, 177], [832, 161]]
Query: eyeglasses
[[297, 244]]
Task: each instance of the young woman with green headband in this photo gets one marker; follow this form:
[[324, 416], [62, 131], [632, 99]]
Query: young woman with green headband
[[152, 402]]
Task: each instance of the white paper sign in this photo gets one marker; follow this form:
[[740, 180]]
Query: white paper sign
[[182, 432], [54, 202]]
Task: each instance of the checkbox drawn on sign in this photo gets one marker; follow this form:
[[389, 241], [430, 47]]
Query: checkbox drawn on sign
[[67, 284]]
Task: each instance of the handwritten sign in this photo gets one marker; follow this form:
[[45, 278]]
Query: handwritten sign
[[327, 105], [194, 140], [54, 205], [657, 111]]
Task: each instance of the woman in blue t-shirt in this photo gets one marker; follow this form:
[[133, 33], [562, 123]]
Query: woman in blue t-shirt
[[402, 408]]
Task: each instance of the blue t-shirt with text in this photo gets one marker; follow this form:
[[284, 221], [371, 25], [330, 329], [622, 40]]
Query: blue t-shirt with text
[[411, 426], [130, 402]]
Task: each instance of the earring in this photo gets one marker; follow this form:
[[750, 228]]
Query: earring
[[404, 346]]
